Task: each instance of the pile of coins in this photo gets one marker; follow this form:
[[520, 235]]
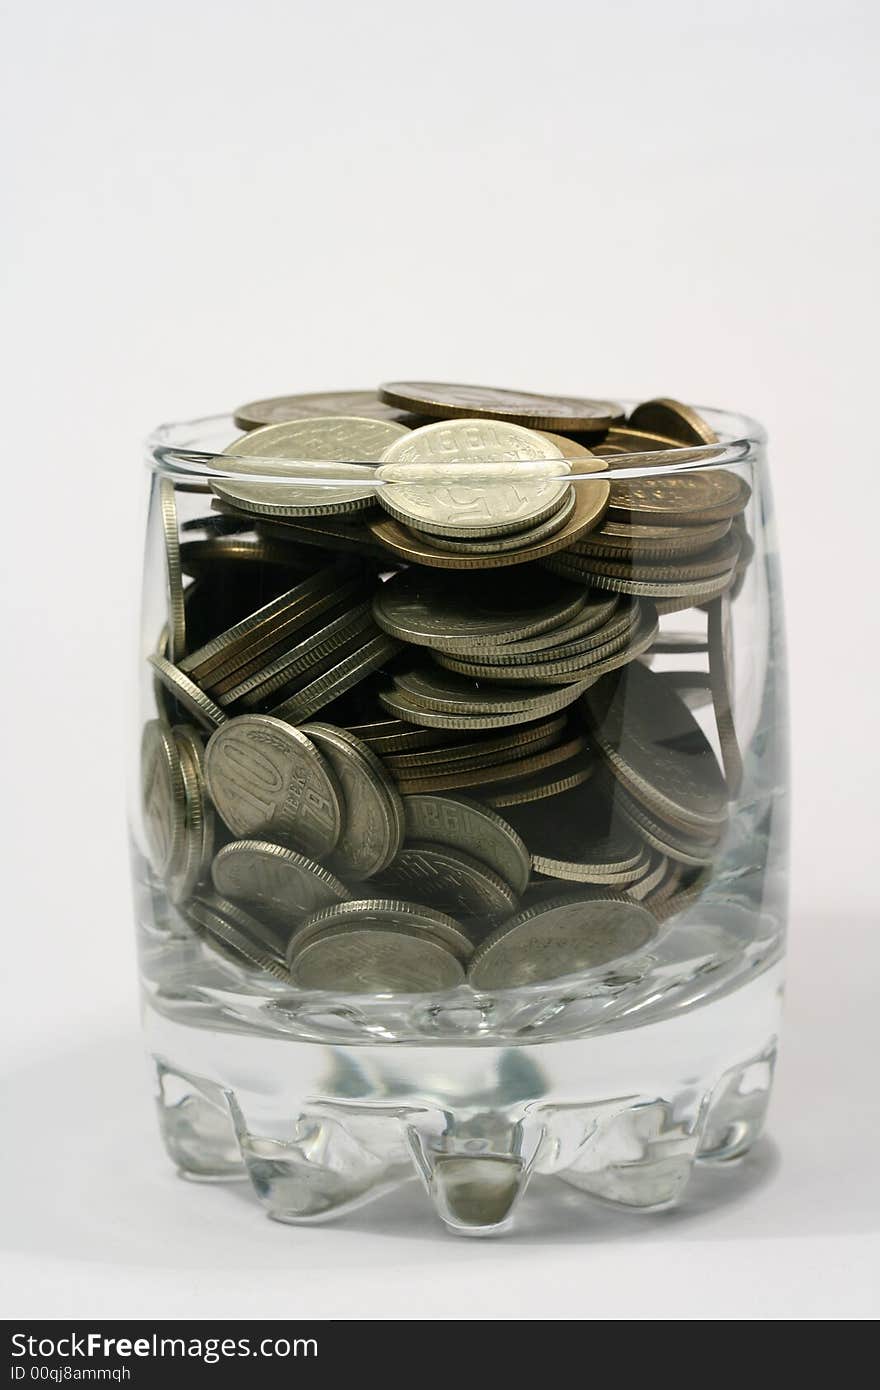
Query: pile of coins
[[408, 735]]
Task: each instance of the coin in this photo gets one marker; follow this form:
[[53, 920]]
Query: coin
[[583, 842], [236, 933], [311, 460], [432, 610], [278, 410], [662, 836], [373, 822], [484, 775], [479, 752], [198, 837], [267, 621], [393, 912], [393, 735], [514, 541], [538, 786], [199, 557], [282, 885], [448, 401], [399, 703], [693, 498], [564, 936], [163, 797], [623, 440], [656, 748], [720, 661], [451, 878], [173, 572], [669, 417], [446, 692], [466, 825], [591, 500], [377, 958], [623, 620], [587, 667], [716, 560], [619, 538], [187, 693], [687, 594], [338, 680], [268, 779], [472, 478], [647, 885], [344, 635]]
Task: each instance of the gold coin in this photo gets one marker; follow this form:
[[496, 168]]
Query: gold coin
[[447, 401], [692, 498], [680, 422]]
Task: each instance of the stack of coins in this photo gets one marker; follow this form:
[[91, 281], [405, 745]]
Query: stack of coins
[[407, 732]]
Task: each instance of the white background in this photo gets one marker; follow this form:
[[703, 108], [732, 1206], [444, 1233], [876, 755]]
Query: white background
[[210, 201]]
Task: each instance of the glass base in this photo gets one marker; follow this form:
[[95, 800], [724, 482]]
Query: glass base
[[320, 1129]]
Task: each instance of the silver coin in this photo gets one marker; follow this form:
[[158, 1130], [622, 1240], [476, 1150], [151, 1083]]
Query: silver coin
[[393, 912], [278, 410], [312, 458], [662, 837], [651, 880], [198, 838], [283, 885], [163, 797], [563, 936], [657, 749], [449, 878], [582, 841], [373, 958], [347, 632], [187, 693], [471, 478], [237, 934], [269, 621], [466, 825], [498, 545], [173, 571], [338, 680], [445, 613], [446, 692], [372, 827], [267, 779], [399, 703]]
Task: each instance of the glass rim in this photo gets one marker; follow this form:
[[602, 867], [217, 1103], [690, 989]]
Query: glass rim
[[181, 451]]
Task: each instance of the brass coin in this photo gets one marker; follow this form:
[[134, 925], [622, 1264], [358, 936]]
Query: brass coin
[[622, 440], [199, 557], [279, 410], [669, 417], [693, 498], [620, 539], [448, 402], [590, 504]]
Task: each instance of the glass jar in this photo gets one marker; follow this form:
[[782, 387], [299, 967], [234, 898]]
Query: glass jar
[[468, 869]]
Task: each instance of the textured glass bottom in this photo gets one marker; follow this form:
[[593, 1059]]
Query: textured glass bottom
[[321, 1128]]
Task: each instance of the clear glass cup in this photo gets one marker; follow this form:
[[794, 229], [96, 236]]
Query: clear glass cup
[[654, 1049]]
